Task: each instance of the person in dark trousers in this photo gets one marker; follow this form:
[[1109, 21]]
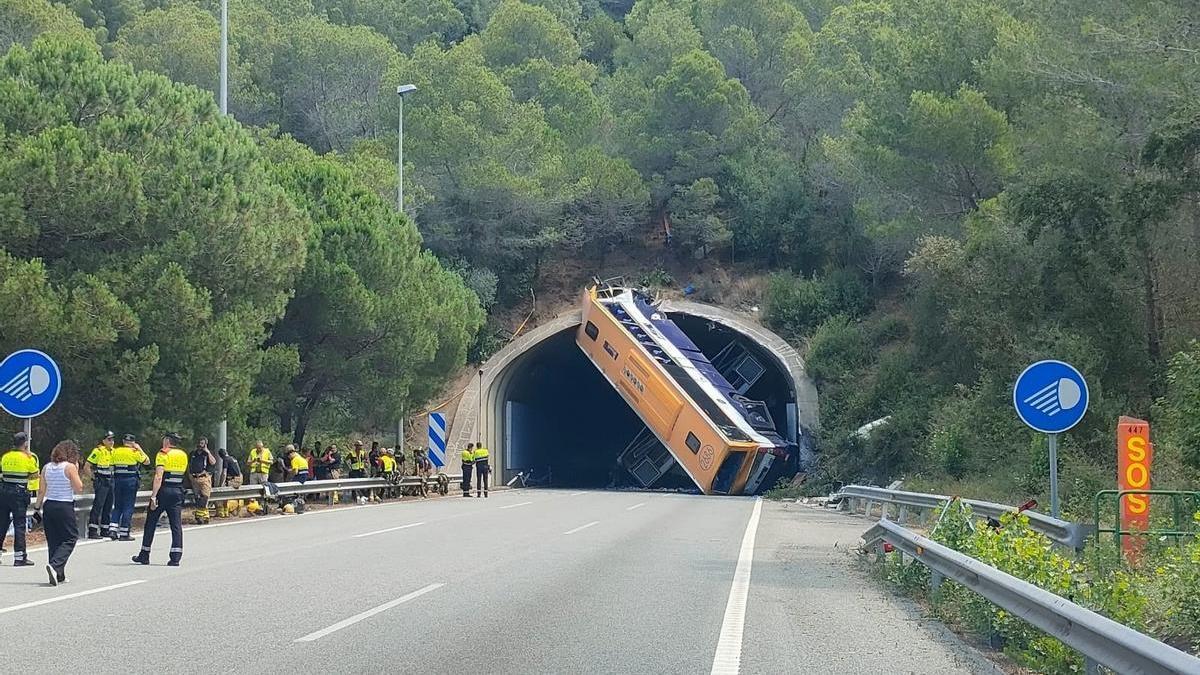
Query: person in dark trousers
[[199, 462], [233, 479], [56, 502], [99, 465], [126, 457], [18, 469], [166, 496], [468, 463], [373, 458], [482, 469]]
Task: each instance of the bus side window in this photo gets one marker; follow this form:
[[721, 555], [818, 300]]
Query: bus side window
[[693, 443], [591, 330]]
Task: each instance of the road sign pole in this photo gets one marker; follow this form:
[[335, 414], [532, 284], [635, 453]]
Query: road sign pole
[[1053, 474], [29, 432]]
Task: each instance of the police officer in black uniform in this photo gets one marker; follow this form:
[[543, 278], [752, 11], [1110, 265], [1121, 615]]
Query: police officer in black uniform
[[166, 496]]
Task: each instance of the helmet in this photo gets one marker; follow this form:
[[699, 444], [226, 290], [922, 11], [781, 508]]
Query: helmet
[[252, 506], [288, 508]]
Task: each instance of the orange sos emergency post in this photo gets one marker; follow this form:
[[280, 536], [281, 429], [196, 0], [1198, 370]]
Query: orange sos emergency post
[[1134, 454]]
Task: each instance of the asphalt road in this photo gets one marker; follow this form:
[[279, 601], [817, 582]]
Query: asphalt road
[[524, 582]]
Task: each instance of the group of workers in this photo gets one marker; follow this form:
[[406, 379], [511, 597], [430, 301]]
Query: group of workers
[[115, 473], [115, 479], [475, 460]]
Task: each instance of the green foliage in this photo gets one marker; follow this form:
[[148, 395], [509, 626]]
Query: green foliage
[[838, 347], [1157, 597], [1179, 408], [21, 21], [147, 246]]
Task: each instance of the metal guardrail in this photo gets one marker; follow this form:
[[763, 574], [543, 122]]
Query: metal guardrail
[[1100, 639], [1072, 535], [83, 503]]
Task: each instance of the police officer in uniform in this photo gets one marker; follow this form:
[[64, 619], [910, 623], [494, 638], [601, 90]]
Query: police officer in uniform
[[468, 462], [126, 458], [166, 496], [99, 465], [482, 469], [17, 467]]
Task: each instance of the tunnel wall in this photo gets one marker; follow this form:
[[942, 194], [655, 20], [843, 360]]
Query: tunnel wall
[[479, 417]]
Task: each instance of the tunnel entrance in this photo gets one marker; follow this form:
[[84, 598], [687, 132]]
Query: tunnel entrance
[[554, 413]]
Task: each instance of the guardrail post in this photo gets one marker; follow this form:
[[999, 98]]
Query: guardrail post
[[902, 515], [870, 507], [935, 581]]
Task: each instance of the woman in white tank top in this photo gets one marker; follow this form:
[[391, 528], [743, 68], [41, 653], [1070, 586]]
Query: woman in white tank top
[[56, 500]]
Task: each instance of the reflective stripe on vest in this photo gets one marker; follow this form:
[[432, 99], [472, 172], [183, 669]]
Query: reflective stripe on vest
[[480, 454], [174, 463]]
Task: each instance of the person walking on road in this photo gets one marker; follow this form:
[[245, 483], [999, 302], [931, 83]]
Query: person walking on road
[[482, 469], [468, 463], [259, 462], [99, 465], [126, 458], [198, 463], [17, 466], [166, 496], [56, 502]]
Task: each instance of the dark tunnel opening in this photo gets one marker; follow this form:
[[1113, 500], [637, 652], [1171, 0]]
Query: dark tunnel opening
[[559, 414]]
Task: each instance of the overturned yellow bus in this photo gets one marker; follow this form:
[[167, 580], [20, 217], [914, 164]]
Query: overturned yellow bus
[[724, 442]]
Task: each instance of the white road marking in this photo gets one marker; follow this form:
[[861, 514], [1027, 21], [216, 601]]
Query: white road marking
[[728, 659], [635, 506], [513, 506], [369, 613], [69, 596], [576, 494], [390, 529], [582, 527]]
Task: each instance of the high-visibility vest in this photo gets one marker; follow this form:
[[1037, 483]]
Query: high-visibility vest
[[17, 467], [125, 460], [35, 478], [261, 462], [101, 458], [358, 460], [481, 454], [299, 463], [174, 463], [388, 463], [468, 457]]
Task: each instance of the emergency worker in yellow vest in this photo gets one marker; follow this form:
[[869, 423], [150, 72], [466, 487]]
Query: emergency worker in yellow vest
[[166, 496], [99, 465], [16, 467], [482, 469], [126, 458], [259, 463], [468, 463], [297, 465]]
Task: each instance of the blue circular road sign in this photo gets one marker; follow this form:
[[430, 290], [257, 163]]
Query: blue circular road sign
[[29, 383], [1050, 396]]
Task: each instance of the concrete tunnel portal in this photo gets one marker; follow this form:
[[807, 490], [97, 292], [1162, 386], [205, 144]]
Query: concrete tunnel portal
[[546, 407]]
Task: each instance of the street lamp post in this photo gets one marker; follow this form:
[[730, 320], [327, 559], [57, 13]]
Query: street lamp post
[[224, 96], [401, 91]]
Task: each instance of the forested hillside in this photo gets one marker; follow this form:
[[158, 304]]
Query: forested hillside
[[924, 195]]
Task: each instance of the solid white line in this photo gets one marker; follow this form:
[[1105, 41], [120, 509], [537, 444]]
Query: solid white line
[[635, 506], [582, 527], [368, 614], [576, 494], [59, 598], [390, 529], [728, 659], [513, 506]]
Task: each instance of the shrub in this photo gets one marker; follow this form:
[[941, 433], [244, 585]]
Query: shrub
[[838, 349], [794, 305]]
